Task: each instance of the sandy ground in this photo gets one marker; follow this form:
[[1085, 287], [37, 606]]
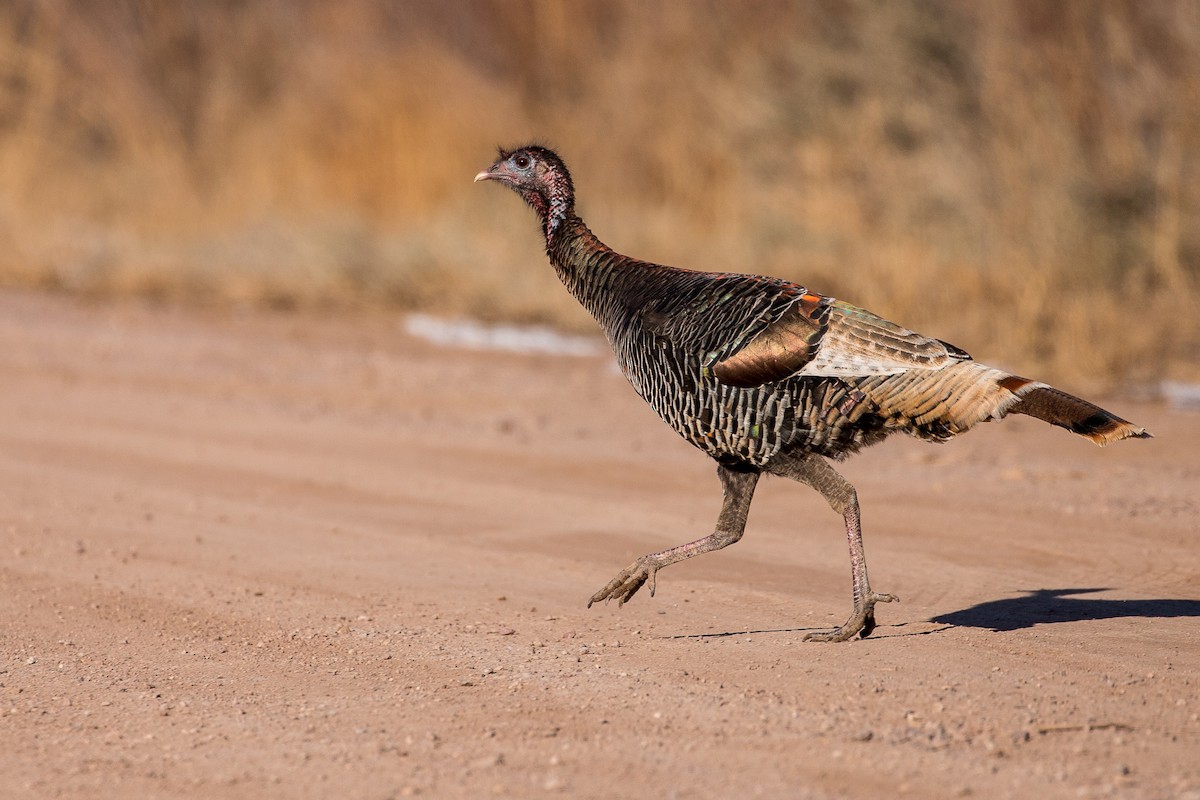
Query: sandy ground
[[262, 556]]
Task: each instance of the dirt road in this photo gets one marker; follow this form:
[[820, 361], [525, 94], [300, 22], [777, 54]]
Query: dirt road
[[258, 557]]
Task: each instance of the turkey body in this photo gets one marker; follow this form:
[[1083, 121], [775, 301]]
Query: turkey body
[[764, 375], [669, 327], [837, 379]]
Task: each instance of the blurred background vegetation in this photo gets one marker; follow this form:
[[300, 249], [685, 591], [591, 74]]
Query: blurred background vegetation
[[1021, 178]]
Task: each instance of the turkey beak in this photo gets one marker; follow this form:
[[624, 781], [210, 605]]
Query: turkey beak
[[489, 174]]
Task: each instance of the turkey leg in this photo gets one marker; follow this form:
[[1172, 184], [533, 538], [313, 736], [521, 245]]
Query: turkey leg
[[739, 490], [841, 496]]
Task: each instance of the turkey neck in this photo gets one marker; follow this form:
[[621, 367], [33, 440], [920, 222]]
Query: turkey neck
[[609, 285]]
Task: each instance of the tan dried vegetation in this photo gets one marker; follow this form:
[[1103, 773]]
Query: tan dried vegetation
[[1020, 178]]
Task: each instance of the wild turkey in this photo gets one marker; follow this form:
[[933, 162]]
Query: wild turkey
[[766, 376]]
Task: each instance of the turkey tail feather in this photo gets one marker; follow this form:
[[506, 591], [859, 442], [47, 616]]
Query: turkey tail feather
[[1070, 412]]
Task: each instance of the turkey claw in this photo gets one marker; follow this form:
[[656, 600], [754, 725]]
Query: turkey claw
[[626, 584], [860, 624]]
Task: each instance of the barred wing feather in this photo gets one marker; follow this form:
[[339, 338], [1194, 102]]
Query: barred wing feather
[[822, 337]]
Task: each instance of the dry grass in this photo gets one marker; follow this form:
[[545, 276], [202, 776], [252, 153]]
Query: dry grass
[[1020, 178]]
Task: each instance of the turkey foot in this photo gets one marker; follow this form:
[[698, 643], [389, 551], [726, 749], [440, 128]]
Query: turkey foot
[[861, 622], [626, 585]]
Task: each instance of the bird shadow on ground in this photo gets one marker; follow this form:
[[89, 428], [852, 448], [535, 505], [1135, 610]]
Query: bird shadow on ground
[[1044, 606], [1038, 607], [882, 632], [723, 634]]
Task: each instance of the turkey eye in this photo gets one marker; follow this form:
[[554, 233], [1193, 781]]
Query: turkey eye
[[522, 162]]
